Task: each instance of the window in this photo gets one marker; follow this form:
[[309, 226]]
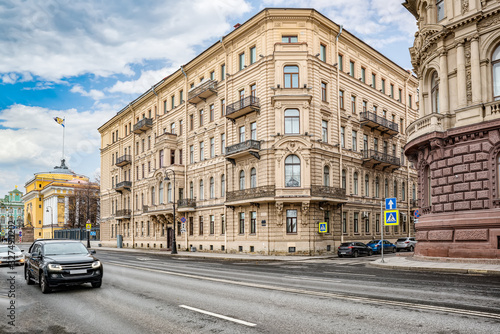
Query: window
[[365, 105], [165, 106], [341, 62], [212, 113], [323, 91], [392, 90], [191, 226], [212, 75], [435, 93], [200, 195], [386, 188], [212, 147], [324, 131], [153, 196], [253, 55], [191, 122], [367, 185], [253, 130], [172, 101], [355, 183], [351, 68], [241, 59], [223, 225], [326, 176], [356, 222], [322, 52], [343, 179], [403, 191], [223, 107], [344, 222], [291, 221], [341, 99], [342, 137], [374, 85], [242, 95], [367, 225], [291, 76], [495, 62], [326, 219], [365, 143], [242, 179], [253, 90], [402, 156], [172, 128], [363, 74], [253, 222], [409, 101], [414, 189], [353, 104], [191, 154], [223, 143], [223, 72], [181, 96], [292, 171], [395, 188], [201, 225], [169, 192], [401, 125], [440, 9], [181, 123], [354, 140], [191, 190], [292, 121], [212, 224], [253, 178], [222, 185], [241, 133], [172, 157], [202, 155], [143, 141], [201, 117], [212, 188], [383, 86], [242, 223], [377, 223], [289, 39], [377, 187], [400, 92]]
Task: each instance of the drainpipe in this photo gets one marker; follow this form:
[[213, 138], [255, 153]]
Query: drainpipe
[[338, 127], [227, 138], [185, 132], [408, 166]]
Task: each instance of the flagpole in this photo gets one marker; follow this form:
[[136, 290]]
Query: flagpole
[[64, 129]]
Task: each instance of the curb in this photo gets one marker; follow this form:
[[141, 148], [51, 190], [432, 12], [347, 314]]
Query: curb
[[488, 272]]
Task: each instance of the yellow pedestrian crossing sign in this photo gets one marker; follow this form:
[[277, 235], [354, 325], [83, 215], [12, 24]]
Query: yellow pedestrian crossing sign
[[391, 217]]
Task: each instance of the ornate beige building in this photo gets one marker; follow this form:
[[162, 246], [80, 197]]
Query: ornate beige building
[[455, 142], [285, 122]]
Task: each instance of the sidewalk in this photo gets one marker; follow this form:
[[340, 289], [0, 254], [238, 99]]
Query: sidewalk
[[439, 265]]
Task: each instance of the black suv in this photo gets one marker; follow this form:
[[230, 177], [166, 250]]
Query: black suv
[[52, 263], [354, 249]]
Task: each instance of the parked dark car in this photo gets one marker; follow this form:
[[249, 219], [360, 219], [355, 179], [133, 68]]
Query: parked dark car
[[354, 249], [388, 246], [54, 263], [407, 243]]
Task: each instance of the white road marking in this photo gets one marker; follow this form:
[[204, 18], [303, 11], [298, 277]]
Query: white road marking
[[238, 321]]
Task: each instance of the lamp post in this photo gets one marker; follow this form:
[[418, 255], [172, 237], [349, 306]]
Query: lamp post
[[51, 220], [174, 243]]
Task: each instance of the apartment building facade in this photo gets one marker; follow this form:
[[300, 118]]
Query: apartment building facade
[[286, 122], [455, 142]]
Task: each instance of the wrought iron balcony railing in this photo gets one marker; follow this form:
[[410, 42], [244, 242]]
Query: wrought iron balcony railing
[[202, 91], [123, 213], [329, 192], [186, 202], [244, 146], [143, 125], [251, 193], [381, 157], [243, 107], [376, 122], [124, 160], [124, 185]]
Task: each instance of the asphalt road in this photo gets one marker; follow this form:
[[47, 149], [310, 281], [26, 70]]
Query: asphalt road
[[145, 293]]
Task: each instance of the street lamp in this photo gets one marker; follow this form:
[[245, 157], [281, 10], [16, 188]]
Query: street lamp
[[51, 220], [174, 243]]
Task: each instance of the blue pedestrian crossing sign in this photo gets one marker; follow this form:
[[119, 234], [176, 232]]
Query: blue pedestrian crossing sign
[[390, 203], [391, 217], [323, 227]]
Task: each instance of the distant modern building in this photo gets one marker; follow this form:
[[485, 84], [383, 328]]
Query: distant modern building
[[286, 122], [11, 209], [455, 142], [46, 201]]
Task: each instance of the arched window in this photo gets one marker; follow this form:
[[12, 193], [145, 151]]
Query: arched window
[[291, 76], [191, 190], [212, 187], [403, 191], [355, 186], [169, 192], [242, 180], [292, 171], [201, 190], [395, 188], [253, 178], [343, 179], [435, 93], [292, 121], [160, 190], [222, 185], [326, 176], [377, 187], [367, 185], [495, 62]]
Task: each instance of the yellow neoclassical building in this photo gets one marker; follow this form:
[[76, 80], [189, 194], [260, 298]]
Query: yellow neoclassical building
[[46, 201], [286, 122]]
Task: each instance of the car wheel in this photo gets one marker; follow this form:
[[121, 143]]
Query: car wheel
[[27, 277], [370, 252], [411, 249], [355, 254], [96, 284], [44, 285], [394, 249]]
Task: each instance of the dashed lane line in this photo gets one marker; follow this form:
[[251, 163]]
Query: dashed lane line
[[238, 321]]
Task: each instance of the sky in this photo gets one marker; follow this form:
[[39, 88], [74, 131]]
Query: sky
[[85, 60]]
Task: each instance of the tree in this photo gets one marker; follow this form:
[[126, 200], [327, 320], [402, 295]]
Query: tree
[[84, 204]]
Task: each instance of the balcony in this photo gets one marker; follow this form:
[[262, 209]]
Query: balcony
[[372, 121], [328, 192], [143, 125], [202, 91], [250, 194], [122, 214], [186, 204], [165, 139], [248, 147], [124, 160], [427, 124], [242, 107], [123, 186], [380, 161]]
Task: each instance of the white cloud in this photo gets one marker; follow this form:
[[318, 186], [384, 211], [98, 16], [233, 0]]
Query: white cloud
[[143, 83], [93, 93], [57, 39]]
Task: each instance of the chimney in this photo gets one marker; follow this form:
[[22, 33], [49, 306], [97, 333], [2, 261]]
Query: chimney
[[237, 25]]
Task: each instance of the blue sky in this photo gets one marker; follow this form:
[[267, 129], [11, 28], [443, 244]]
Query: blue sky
[[86, 60]]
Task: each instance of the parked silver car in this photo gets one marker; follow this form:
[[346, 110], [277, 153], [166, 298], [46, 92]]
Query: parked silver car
[[406, 244]]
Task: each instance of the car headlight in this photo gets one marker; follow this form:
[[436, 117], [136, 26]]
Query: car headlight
[[96, 264], [55, 267]]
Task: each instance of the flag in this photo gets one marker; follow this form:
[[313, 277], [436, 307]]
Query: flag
[[59, 120]]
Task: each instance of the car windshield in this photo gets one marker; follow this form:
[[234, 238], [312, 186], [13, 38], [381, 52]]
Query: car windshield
[[374, 242], [5, 249], [401, 239], [62, 248], [345, 244]]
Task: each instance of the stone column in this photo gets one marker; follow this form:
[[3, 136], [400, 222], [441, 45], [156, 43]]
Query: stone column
[[443, 83], [461, 77], [475, 70]]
